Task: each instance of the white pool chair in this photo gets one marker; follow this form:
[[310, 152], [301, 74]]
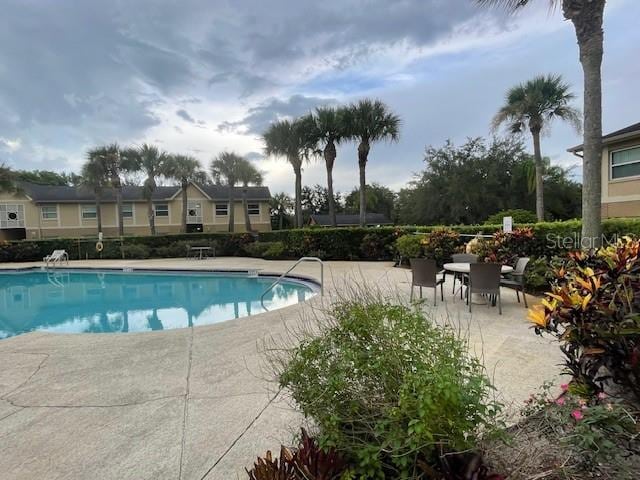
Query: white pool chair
[[56, 257]]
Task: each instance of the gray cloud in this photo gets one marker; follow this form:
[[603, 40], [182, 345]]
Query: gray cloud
[[182, 113], [259, 117]]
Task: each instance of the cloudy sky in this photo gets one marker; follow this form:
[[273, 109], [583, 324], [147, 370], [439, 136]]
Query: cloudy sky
[[203, 76]]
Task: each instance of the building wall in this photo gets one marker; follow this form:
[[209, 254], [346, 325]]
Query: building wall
[[69, 221], [620, 197]]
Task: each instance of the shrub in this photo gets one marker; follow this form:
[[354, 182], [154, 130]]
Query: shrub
[[440, 244], [409, 246], [173, 250], [388, 389], [374, 247], [594, 311], [265, 249], [135, 251], [519, 215]]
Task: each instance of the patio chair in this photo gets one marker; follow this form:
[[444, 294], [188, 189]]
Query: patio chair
[[515, 279], [424, 273], [484, 278], [56, 256], [461, 258]]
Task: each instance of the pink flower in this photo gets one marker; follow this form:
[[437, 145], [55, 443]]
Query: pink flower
[[577, 414], [560, 401], [602, 396], [564, 387]]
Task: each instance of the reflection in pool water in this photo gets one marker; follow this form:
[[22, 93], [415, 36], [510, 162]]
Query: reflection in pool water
[[113, 301]]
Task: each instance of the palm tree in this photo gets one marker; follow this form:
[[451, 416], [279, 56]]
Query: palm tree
[[248, 174], [94, 178], [281, 204], [225, 170], [587, 18], [533, 105], [154, 163], [327, 130], [111, 158], [184, 169], [7, 179], [369, 121], [289, 139]]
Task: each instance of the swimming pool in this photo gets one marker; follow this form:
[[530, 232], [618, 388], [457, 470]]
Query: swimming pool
[[78, 301]]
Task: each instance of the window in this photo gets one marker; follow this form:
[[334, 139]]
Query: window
[[161, 209], [89, 212], [49, 212], [127, 210], [625, 163], [222, 209], [253, 208], [11, 216]]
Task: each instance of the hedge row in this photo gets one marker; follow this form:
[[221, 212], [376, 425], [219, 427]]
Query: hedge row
[[326, 243]]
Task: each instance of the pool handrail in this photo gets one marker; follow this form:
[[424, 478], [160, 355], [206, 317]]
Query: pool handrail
[[298, 262]]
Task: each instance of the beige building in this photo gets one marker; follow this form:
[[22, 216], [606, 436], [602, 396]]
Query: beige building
[[620, 172], [43, 211]]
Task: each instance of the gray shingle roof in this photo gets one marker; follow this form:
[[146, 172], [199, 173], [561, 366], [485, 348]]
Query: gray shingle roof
[[65, 194], [351, 219], [609, 137]]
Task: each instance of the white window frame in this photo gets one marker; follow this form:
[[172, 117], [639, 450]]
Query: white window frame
[[611, 166], [256, 211], [55, 212], [83, 211], [226, 209], [155, 210], [128, 205]]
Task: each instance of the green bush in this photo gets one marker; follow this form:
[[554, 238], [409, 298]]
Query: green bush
[[269, 250], [409, 246], [519, 216], [135, 251], [389, 389]]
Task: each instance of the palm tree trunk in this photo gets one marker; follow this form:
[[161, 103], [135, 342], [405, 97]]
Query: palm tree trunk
[[280, 221], [185, 206], [329, 158], [151, 216], [298, 171], [587, 19], [537, 155], [363, 153], [232, 210], [245, 207], [99, 211], [119, 208]]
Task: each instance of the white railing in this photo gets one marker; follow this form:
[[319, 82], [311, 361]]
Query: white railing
[[300, 260]]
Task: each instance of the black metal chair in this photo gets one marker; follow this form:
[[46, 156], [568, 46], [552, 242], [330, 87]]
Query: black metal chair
[[484, 278], [461, 258], [424, 273], [516, 279]]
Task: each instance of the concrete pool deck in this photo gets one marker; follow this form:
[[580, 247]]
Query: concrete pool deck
[[197, 403]]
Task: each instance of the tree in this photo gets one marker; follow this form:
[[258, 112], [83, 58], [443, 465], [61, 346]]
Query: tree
[[367, 122], [533, 105], [326, 130], [185, 169], [225, 170], [290, 139], [380, 199], [111, 159], [7, 179], [94, 177], [247, 175], [47, 177], [587, 18], [281, 205], [153, 163]]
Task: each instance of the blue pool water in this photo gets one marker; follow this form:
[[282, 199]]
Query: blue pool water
[[116, 301]]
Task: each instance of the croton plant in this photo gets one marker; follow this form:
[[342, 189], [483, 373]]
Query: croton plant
[[594, 311]]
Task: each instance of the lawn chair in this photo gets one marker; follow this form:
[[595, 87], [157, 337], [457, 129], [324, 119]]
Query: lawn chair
[[516, 279], [484, 278], [424, 274], [56, 257], [461, 258]]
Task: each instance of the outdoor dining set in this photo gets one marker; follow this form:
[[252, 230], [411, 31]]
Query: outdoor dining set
[[472, 276]]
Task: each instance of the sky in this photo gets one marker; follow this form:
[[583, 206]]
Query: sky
[[200, 77]]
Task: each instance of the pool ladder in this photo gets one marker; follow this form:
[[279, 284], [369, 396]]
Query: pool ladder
[[300, 260]]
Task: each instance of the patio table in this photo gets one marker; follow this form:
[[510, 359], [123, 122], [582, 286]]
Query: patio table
[[466, 268]]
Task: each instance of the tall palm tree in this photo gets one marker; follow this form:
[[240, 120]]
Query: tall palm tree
[[587, 18], [153, 163], [225, 170], [533, 105], [328, 130], [369, 121], [184, 169], [248, 174], [111, 158], [289, 139], [94, 178], [281, 205]]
